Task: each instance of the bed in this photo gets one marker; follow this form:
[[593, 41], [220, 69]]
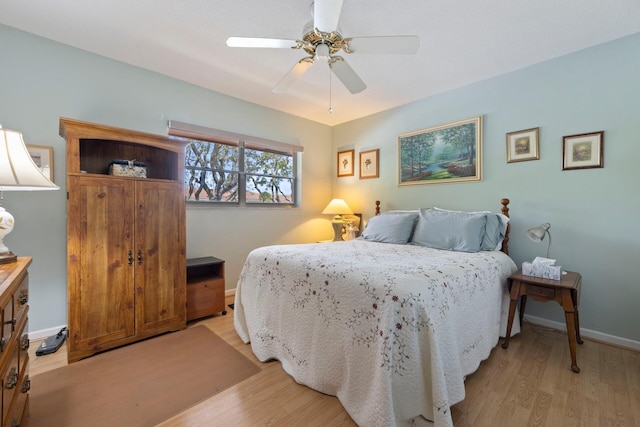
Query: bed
[[391, 322]]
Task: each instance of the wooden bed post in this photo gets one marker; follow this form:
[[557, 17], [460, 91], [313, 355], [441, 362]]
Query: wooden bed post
[[377, 207], [505, 212]]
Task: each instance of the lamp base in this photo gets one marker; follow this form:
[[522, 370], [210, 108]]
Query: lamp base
[[337, 230], [8, 257]]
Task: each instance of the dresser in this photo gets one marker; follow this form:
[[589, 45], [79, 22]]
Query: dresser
[[14, 343]]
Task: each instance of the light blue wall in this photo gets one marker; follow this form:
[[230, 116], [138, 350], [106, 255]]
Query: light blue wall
[[593, 213], [41, 80]]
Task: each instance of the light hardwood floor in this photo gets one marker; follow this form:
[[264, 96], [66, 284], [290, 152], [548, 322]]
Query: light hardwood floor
[[530, 384]]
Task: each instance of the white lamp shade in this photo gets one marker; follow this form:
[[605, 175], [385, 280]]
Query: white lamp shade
[[18, 172], [337, 207]]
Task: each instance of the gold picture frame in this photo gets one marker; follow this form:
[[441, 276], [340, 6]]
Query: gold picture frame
[[42, 156], [345, 163], [441, 154], [369, 161], [523, 145], [583, 151]]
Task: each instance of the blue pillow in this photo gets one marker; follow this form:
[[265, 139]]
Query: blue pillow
[[494, 233], [390, 228], [456, 231], [495, 229]]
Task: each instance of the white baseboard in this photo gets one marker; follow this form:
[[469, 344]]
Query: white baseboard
[[229, 292], [587, 333], [44, 333]]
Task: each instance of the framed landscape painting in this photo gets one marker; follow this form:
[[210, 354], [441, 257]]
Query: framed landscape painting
[[583, 151], [441, 154], [523, 145]]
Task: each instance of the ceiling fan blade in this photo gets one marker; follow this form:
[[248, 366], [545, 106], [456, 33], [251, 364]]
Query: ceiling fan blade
[[294, 74], [326, 14], [260, 42], [347, 76], [385, 44]]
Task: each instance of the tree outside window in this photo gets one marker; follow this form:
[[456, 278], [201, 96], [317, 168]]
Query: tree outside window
[[214, 171]]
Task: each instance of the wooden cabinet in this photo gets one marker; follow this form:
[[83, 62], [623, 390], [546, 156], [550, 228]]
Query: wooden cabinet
[[205, 287], [126, 238], [14, 343]]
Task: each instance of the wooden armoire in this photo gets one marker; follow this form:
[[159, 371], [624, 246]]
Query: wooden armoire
[[126, 238]]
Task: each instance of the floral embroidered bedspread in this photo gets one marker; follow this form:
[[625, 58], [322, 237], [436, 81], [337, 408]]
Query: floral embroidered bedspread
[[391, 330]]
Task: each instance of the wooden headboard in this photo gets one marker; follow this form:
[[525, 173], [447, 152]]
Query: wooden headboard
[[505, 212]]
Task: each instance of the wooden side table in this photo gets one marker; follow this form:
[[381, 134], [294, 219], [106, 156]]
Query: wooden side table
[[564, 292], [205, 287]]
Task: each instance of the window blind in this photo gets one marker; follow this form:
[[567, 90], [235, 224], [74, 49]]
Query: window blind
[[202, 133]]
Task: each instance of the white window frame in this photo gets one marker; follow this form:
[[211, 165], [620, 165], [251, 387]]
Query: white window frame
[[201, 133]]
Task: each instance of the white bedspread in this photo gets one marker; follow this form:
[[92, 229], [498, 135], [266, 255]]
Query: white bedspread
[[391, 330]]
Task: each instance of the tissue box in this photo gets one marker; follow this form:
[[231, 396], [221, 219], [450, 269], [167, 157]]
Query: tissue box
[[128, 168], [553, 272]]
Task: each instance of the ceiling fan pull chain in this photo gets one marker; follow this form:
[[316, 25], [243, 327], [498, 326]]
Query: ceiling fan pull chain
[[330, 109]]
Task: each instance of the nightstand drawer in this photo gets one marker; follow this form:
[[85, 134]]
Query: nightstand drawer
[[540, 291]]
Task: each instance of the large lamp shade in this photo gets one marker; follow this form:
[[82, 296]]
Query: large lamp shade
[[18, 172]]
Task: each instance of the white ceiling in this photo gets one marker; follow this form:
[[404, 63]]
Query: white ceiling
[[461, 42]]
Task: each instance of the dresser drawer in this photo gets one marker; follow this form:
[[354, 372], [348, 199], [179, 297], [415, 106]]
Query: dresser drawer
[[14, 357], [21, 297], [23, 347], [10, 382], [7, 324]]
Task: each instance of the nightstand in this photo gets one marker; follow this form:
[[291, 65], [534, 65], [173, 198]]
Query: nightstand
[[564, 291], [205, 287]]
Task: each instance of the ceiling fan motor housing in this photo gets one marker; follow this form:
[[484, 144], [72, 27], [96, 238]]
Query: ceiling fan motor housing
[[313, 37]]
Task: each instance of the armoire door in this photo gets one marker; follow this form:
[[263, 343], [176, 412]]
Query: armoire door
[[161, 263], [100, 266]]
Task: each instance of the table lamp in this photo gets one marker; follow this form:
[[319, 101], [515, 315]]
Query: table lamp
[[337, 207], [18, 172], [537, 234]]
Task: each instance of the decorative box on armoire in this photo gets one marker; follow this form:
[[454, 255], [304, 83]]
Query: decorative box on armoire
[[126, 237]]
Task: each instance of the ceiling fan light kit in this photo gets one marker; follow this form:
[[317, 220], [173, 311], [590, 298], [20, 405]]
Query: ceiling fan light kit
[[322, 41]]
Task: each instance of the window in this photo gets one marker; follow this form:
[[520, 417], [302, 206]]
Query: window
[[226, 168]]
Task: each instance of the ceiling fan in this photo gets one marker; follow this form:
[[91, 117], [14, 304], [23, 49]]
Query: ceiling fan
[[322, 40]]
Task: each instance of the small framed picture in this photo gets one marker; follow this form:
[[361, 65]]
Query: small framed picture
[[523, 145], [583, 151], [42, 156], [369, 164], [345, 163]]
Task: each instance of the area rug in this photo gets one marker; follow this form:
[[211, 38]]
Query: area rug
[[138, 385]]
